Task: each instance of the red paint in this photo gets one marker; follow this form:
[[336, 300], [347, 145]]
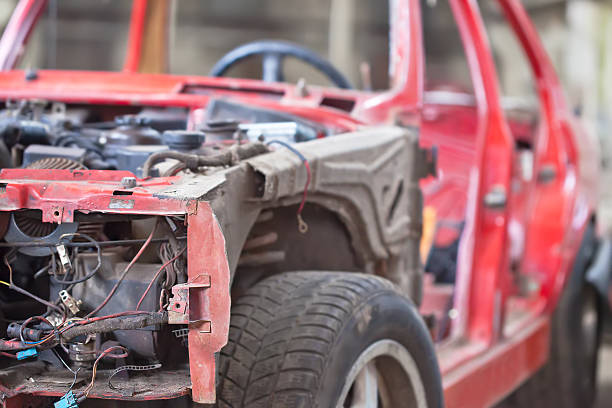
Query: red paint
[[18, 30], [490, 351], [137, 23], [59, 193], [554, 215], [481, 381], [212, 304]]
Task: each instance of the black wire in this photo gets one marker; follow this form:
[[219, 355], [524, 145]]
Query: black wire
[[16, 288], [121, 242], [33, 296], [90, 274]]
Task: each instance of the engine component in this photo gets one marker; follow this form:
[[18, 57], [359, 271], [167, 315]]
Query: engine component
[[64, 258], [220, 114], [193, 161], [71, 303], [23, 131], [220, 130], [34, 153], [146, 342], [23, 228], [14, 331], [183, 140], [82, 354], [288, 132], [132, 158], [132, 130], [57, 163]]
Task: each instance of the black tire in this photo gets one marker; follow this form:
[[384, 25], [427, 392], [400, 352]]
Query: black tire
[[294, 338], [569, 378]]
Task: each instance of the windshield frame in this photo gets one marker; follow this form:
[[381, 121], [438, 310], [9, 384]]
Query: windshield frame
[[402, 99]]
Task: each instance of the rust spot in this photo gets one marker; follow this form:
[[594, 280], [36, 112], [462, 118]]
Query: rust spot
[[116, 203], [192, 207]]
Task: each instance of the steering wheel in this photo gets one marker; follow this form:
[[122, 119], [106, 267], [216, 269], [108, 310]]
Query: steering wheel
[[273, 53]]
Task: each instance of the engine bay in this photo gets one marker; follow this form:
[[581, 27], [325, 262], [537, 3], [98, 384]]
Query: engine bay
[[101, 289]]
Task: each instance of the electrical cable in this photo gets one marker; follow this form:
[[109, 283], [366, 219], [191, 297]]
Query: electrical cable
[[42, 271], [120, 242], [25, 324], [126, 270], [16, 288], [106, 353], [302, 225], [75, 373], [193, 161], [53, 334], [157, 276], [90, 274], [71, 328]]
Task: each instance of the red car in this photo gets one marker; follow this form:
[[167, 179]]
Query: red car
[[419, 242]]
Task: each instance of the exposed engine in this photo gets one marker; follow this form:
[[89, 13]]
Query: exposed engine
[[75, 289]]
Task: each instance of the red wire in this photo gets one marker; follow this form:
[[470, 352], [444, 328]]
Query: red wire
[[106, 352], [157, 276], [127, 269], [110, 316], [305, 193]]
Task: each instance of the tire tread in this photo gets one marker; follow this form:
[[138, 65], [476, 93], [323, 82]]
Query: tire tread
[[280, 360]]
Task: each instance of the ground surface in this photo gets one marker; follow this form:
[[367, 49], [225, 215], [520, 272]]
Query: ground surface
[[604, 399]]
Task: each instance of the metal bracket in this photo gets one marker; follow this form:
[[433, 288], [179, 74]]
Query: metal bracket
[[182, 294]]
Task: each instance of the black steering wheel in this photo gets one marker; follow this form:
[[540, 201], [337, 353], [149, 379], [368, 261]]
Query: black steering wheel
[[273, 52]]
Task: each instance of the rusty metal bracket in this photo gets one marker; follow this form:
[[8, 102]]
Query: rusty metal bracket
[[179, 311]]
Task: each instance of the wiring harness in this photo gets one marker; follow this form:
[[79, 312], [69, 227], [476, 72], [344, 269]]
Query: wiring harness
[[61, 323]]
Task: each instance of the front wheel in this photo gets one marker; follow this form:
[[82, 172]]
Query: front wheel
[[327, 339]]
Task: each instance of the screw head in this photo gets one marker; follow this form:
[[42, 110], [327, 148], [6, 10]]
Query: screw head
[[128, 182]]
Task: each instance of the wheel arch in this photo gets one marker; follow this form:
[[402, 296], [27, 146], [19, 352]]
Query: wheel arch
[[365, 184]]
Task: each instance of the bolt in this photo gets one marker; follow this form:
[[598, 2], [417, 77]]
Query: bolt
[[128, 182], [31, 74]]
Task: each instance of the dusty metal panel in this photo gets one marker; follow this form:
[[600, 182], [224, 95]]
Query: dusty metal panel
[[369, 178], [366, 174]]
